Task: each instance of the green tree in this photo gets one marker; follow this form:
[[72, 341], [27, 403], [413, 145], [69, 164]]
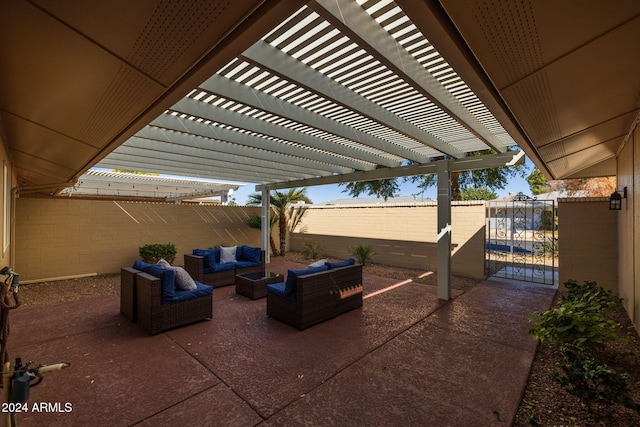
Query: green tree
[[384, 188], [472, 193], [480, 179], [537, 182], [280, 203]]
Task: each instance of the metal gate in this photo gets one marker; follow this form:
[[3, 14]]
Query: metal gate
[[521, 240]]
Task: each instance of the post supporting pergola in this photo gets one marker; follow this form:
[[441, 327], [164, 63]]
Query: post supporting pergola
[[444, 229], [265, 224]]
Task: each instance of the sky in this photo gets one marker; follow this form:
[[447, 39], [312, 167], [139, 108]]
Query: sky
[[324, 193]]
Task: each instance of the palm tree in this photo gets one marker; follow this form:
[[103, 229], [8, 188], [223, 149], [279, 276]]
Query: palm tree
[[256, 222], [280, 203]]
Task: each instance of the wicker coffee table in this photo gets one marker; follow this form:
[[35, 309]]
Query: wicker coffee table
[[254, 285]]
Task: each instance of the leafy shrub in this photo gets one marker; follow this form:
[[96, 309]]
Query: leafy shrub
[[580, 318], [153, 252], [580, 328], [311, 250], [362, 253]]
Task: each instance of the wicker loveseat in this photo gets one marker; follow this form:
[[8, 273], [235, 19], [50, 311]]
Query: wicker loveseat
[[150, 297], [315, 294], [207, 266]]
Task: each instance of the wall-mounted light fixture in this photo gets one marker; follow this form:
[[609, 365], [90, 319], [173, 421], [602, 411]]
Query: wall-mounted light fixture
[[615, 200]]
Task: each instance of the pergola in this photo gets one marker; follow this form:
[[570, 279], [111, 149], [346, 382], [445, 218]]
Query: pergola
[[294, 93], [335, 93], [107, 184]]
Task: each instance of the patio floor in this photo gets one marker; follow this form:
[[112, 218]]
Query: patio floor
[[405, 359]]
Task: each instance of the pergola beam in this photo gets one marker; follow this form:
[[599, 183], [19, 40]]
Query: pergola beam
[[487, 161]]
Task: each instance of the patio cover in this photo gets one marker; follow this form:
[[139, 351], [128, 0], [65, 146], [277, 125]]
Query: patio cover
[[111, 185]]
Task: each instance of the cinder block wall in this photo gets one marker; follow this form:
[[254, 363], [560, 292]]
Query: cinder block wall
[[400, 235], [588, 241], [67, 237]]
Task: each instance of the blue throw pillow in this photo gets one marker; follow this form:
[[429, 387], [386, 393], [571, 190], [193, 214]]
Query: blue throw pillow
[[167, 281], [344, 263], [212, 258], [201, 252], [140, 265], [292, 277], [240, 252], [251, 254]]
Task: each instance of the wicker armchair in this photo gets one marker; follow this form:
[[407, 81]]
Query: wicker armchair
[[319, 297], [156, 317], [141, 301]]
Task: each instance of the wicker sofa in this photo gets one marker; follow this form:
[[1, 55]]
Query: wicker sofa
[[315, 294], [205, 265], [150, 298]]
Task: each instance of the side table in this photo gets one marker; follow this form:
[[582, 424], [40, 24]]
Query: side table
[[254, 285]]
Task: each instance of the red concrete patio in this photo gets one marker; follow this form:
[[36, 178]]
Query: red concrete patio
[[405, 359]]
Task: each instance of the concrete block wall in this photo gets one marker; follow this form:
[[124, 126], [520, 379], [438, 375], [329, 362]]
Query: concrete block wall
[[68, 237], [588, 241], [400, 235]]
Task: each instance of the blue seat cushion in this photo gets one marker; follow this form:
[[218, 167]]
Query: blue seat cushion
[[211, 256], [200, 291], [167, 280], [339, 264], [278, 289], [223, 266], [250, 254], [245, 264], [292, 277]]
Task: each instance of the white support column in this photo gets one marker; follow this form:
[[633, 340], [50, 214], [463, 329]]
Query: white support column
[[444, 229], [265, 221]]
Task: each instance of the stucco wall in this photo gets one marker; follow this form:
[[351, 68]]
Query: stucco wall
[[588, 241], [629, 227], [67, 237], [399, 235]]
